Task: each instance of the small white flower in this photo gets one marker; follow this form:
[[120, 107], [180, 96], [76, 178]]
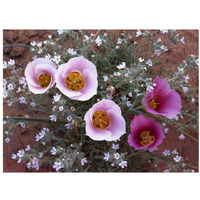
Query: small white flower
[[72, 109], [35, 161], [182, 40], [71, 51], [185, 89], [11, 62], [105, 78], [4, 122], [33, 104], [193, 100], [27, 148], [53, 151], [69, 118], [176, 118], [68, 126], [14, 156], [33, 43], [122, 65], [7, 140], [19, 161], [37, 138], [58, 166], [115, 146], [166, 171], [28, 165], [40, 154], [117, 73], [164, 31], [166, 130], [4, 82], [53, 118], [157, 52], [149, 63], [141, 59], [39, 44], [48, 56], [83, 161], [42, 134], [22, 100], [49, 36], [57, 97], [107, 155], [34, 57], [119, 40], [60, 31], [56, 59], [61, 108], [26, 116], [177, 158], [18, 90], [10, 86], [174, 151], [150, 88], [109, 96], [5, 94], [5, 64], [116, 156], [187, 78], [40, 51], [123, 164], [20, 153], [98, 41], [22, 124], [166, 152], [181, 137], [128, 103], [138, 33], [197, 61], [180, 69], [130, 94], [86, 37], [117, 47]]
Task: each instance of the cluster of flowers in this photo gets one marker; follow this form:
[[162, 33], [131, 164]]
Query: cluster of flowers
[[77, 79]]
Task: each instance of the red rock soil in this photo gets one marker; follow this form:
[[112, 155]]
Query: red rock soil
[[187, 148]]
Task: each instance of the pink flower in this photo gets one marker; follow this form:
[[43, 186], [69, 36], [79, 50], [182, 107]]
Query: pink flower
[[162, 100], [40, 75], [77, 79], [104, 121], [145, 133]]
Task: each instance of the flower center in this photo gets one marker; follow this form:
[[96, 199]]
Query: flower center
[[44, 80], [100, 120], [152, 103], [74, 81], [146, 138]]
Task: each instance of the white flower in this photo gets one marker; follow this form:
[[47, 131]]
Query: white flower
[[181, 137], [149, 63], [11, 62], [35, 161], [98, 41], [18, 90], [122, 65], [20, 153], [53, 151], [61, 108], [5, 94], [34, 57], [4, 82], [166, 171], [22, 100], [27, 148], [42, 134], [60, 31], [166, 130], [138, 33], [72, 109], [174, 151], [109, 96], [22, 124], [14, 156], [115, 146], [166, 152], [58, 166], [197, 61], [141, 59], [123, 164], [53, 118], [33, 104], [117, 73], [130, 94], [117, 47], [68, 126], [9, 103], [86, 37], [119, 40], [39, 44], [107, 155], [185, 89], [5, 64], [23, 81], [164, 31], [49, 36], [83, 161], [26, 116], [128, 103], [150, 88], [177, 158], [37, 138], [116, 156], [28, 165], [182, 40], [71, 51], [157, 52], [7, 140], [10, 86], [40, 154], [105, 78], [187, 78], [33, 43], [40, 51], [176, 118], [57, 97], [19, 161], [193, 100], [56, 59], [69, 118], [48, 56]]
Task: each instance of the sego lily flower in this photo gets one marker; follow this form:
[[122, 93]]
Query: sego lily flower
[[162, 100], [145, 133], [40, 75], [104, 121], [77, 79]]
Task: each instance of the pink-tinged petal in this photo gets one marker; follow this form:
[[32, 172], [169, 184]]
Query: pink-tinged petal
[[30, 74], [94, 133], [90, 87], [117, 125], [44, 61], [170, 105], [162, 87], [37, 89], [147, 107]]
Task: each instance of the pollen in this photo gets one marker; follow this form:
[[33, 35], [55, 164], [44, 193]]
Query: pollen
[[146, 137], [74, 81], [44, 80], [152, 103], [100, 120]]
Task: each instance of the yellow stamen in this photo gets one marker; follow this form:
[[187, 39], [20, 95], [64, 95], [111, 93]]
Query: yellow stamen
[[145, 138], [100, 120], [152, 103], [74, 81], [44, 80]]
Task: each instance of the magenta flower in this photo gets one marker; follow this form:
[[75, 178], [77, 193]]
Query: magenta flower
[[145, 133], [40, 75], [104, 121], [77, 79], [162, 100]]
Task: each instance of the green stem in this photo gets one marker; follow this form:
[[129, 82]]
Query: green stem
[[15, 45]]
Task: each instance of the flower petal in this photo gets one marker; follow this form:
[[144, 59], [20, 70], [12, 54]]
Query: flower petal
[[162, 87]]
